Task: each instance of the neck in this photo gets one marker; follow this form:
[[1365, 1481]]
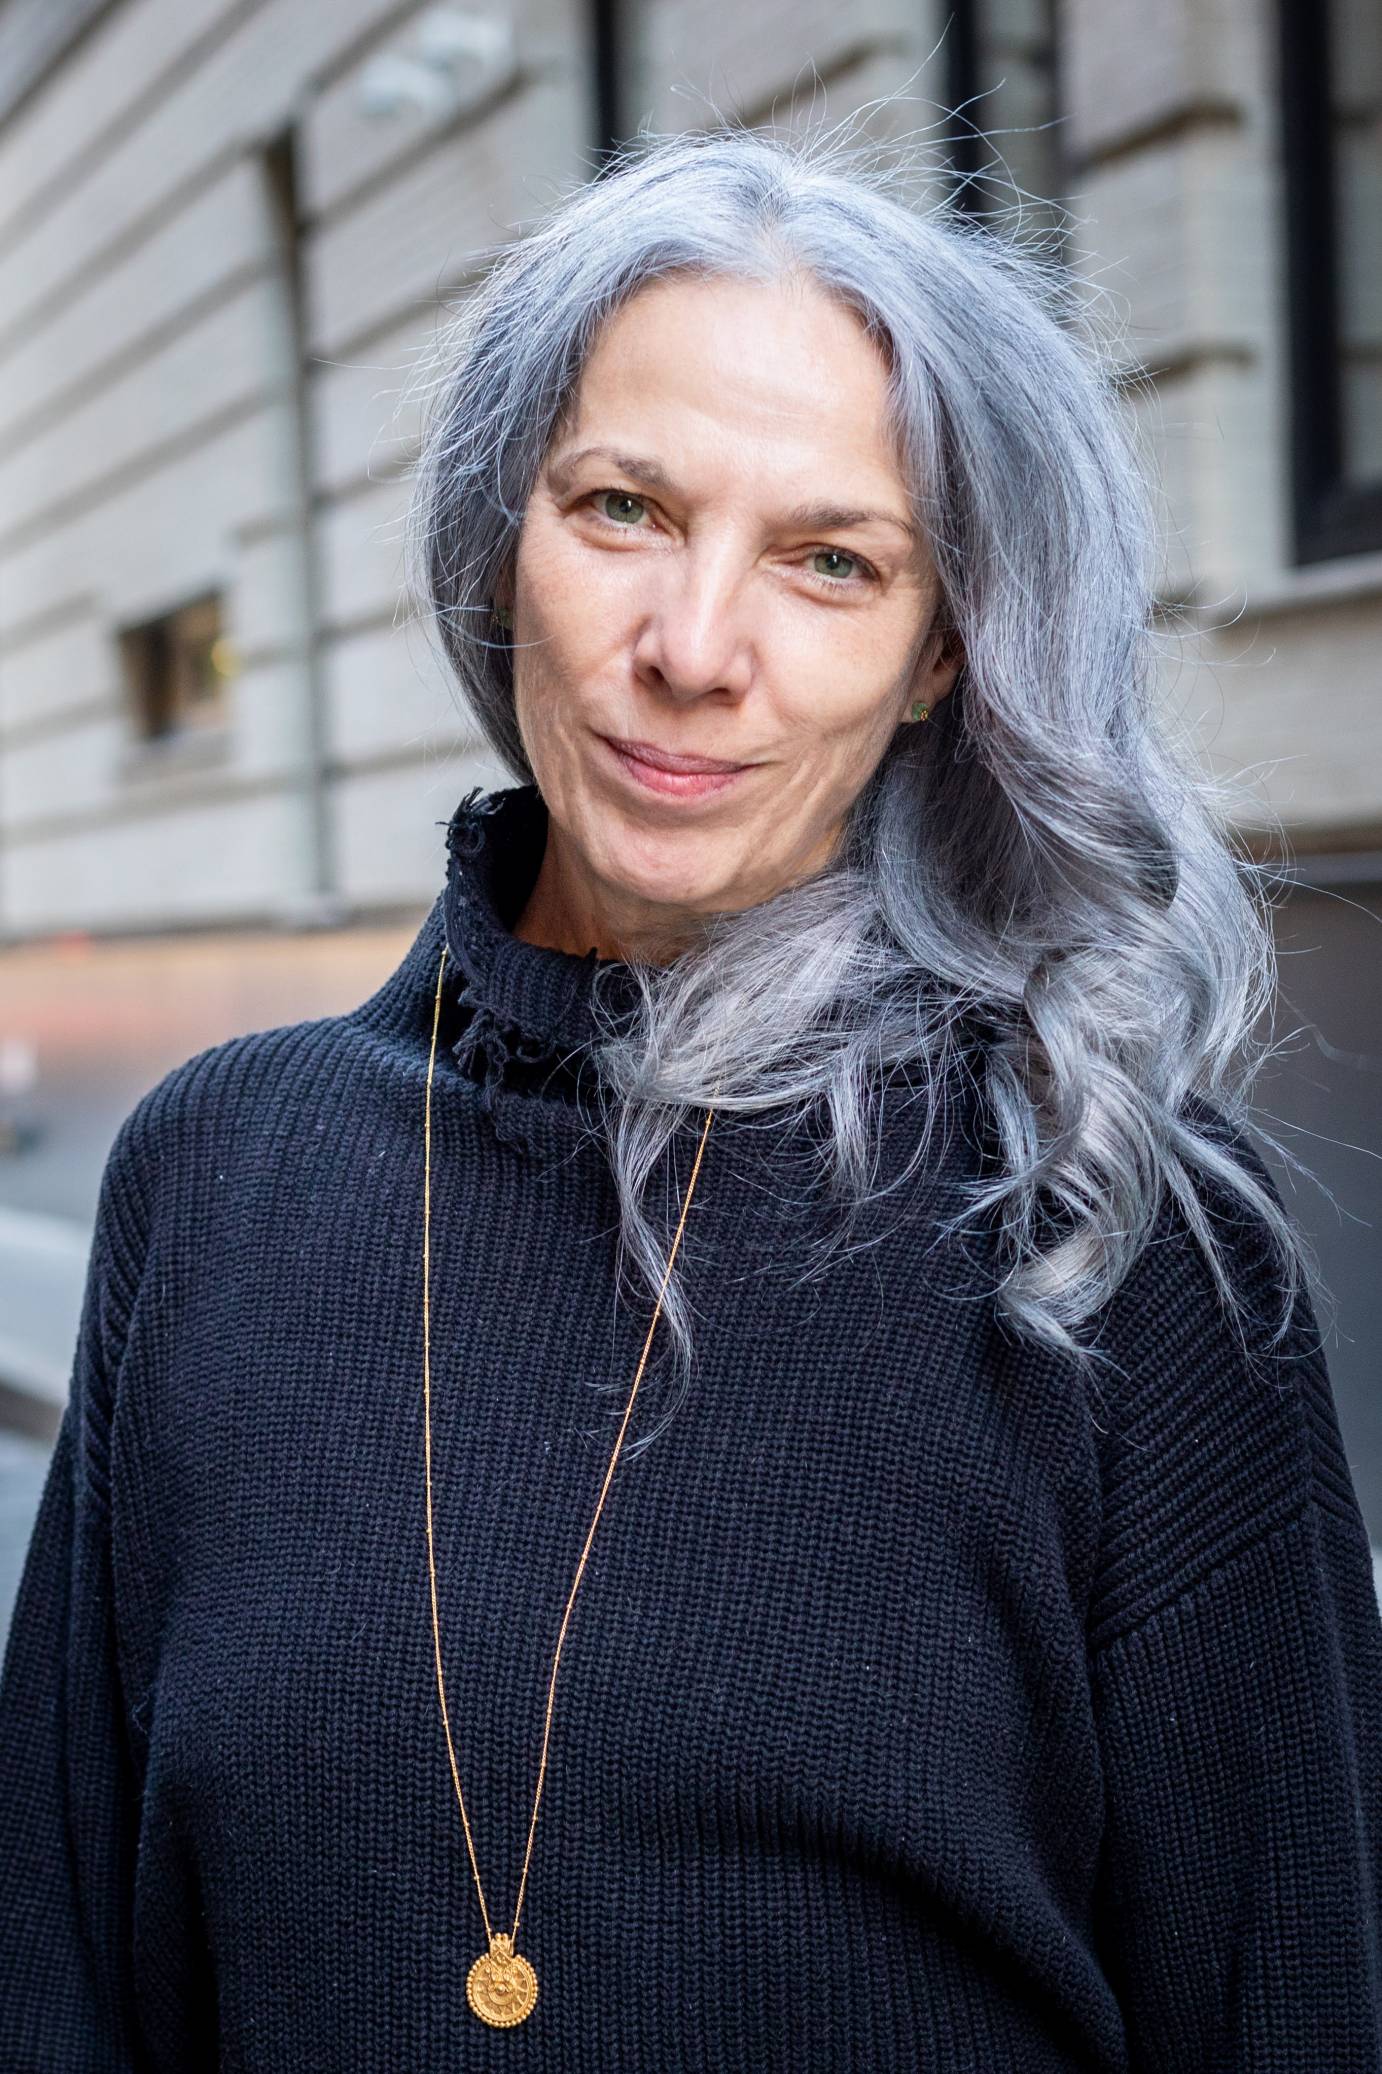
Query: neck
[[569, 910]]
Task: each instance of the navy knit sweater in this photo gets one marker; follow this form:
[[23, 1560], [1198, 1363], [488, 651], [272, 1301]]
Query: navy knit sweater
[[921, 1708]]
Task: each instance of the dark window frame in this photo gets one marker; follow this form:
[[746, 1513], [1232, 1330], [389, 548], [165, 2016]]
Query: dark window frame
[[967, 147], [156, 698], [1330, 516], [961, 85], [608, 45]]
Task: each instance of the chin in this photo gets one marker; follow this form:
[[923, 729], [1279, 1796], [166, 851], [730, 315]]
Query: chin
[[675, 867]]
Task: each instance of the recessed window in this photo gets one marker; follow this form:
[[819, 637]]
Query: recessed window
[[177, 670], [1331, 89], [1005, 132]]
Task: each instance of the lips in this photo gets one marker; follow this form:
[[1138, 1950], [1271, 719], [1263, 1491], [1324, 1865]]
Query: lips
[[669, 760], [668, 778]]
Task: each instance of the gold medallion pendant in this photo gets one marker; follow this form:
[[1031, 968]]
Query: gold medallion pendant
[[501, 1986]]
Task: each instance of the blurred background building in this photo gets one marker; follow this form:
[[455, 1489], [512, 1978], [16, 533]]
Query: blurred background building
[[227, 231]]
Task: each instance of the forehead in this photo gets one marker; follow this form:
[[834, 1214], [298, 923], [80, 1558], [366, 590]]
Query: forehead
[[776, 373]]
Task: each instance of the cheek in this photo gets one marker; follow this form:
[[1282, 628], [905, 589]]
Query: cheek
[[562, 574], [568, 614], [838, 664], [842, 687]]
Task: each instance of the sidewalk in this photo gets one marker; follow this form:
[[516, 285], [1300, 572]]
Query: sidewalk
[[42, 1277], [23, 1467]]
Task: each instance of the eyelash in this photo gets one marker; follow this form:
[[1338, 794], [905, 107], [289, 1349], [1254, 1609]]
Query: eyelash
[[824, 583]]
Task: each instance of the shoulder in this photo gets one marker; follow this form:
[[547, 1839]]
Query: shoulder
[[1214, 1426], [1215, 1281], [217, 1084], [233, 1097]]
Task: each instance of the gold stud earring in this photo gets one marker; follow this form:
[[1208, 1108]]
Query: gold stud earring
[[504, 615], [920, 712]]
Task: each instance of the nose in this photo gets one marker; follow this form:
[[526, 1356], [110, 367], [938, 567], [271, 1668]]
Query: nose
[[695, 638]]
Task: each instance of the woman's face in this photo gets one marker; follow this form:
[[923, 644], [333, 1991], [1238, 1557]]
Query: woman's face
[[732, 575]]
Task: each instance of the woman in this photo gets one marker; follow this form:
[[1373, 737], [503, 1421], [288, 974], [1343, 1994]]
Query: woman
[[830, 1052]]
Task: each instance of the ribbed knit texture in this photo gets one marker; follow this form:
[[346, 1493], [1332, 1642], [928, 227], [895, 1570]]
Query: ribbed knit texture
[[922, 1708]]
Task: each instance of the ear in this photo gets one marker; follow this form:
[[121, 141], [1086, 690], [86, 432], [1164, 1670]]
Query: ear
[[941, 662]]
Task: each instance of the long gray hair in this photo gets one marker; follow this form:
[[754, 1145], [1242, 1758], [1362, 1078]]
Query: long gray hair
[[1036, 867]]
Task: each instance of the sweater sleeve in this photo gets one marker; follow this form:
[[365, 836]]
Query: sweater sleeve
[[69, 1799], [1237, 1684]]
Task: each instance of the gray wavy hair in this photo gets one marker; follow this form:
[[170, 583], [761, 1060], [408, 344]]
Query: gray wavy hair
[[1036, 885]]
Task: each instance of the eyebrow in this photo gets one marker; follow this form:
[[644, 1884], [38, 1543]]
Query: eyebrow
[[829, 517]]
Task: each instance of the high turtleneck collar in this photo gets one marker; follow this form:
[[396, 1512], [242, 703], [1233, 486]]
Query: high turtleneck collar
[[519, 1019], [527, 1012]]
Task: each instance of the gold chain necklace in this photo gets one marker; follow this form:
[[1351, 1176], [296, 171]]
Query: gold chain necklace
[[501, 1986]]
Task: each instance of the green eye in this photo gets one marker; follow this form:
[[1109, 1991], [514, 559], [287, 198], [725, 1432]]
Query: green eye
[[862, 572], [621, 496], [858, 574]]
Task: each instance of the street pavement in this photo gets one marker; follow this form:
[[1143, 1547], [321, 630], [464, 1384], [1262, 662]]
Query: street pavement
[[42, 1275], [23, 1466]]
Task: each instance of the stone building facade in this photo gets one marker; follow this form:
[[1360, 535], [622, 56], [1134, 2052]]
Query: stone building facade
[[227, 227]]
